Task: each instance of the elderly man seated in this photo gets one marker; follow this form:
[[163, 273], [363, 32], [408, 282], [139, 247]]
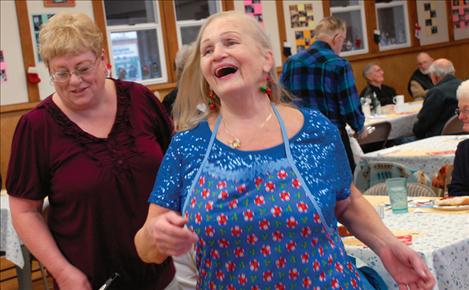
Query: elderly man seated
[[420, 81], [374, 75], [440, 103], [460, 179]]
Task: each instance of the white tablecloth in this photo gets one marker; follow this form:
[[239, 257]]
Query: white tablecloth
[[428, 154], [441, 238], [9, 241]]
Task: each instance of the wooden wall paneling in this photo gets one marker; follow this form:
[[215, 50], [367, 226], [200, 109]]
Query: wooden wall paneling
[[281, 27], [100, 20], [171, 46], [412, 10], [8, 123], [450, 21], [371, 25], [326, 7], [26, 46], [227, 5]]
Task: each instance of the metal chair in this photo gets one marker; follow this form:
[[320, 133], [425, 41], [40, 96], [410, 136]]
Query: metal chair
[[380, 134], [413, 189], [453, 126]]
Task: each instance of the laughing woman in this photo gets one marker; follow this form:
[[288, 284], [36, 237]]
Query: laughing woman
[[255, 185], [92, 148]]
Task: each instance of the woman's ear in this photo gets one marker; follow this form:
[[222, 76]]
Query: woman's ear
[[269, 61]]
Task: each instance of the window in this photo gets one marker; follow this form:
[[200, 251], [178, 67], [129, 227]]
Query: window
[[136, 45], [391, 18], [190, 16], [352, 12]]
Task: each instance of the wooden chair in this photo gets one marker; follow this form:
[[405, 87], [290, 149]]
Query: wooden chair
[[413, 189], [380, 134], [453, 126]]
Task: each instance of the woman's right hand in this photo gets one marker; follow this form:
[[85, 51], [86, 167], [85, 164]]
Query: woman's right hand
[[72, 279], [169, 235]]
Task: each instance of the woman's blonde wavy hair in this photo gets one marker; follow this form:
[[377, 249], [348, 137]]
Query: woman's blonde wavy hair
[[193, 89], [67, 33]]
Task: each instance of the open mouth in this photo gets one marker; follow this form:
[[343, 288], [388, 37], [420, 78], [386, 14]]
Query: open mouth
[[224, 71]]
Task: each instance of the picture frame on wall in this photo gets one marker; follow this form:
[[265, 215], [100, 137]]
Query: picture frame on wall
[[59, 3]]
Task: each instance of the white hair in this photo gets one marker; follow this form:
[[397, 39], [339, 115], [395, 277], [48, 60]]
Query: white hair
[[441, 69], [463, 90]]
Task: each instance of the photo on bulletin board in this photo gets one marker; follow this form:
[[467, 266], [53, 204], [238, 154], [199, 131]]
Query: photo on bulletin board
[[433, 22], [254, 8], [3, 68], [38, 21], [59, 3], [460, 18]]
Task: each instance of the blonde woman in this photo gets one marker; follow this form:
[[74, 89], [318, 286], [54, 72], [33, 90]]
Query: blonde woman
[[92, 148], [255, 185]]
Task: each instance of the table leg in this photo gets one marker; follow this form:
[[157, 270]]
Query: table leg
[[24, 275]]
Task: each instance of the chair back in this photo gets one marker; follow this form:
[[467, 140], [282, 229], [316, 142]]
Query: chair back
[[413, 189], [380, 134], [453, 126], [369, 173]]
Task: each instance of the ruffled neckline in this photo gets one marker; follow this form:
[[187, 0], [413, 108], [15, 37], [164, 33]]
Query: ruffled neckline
[[72, 129]]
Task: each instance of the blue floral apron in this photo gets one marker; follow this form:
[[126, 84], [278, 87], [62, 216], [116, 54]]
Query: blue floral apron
[[266, 232]]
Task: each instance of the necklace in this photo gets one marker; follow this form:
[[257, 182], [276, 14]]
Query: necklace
[[236, 142]]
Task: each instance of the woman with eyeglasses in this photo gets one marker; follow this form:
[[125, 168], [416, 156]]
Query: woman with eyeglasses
[[92, 148], [460, 179]]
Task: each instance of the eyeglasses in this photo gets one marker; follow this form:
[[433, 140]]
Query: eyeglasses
[[84, 70], [465, 112]]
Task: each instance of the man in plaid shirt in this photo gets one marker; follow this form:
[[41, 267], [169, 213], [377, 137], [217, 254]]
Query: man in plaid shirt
[[322, 80]]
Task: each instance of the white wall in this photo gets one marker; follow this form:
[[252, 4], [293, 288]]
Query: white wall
[[14, 89]]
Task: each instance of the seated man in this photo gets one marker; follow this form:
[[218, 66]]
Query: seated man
[[374, 75], [440, 102], [420, 81], [460, 178]]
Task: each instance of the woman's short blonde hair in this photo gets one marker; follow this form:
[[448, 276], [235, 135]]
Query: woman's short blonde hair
[[463, 91], [67, 33], [193, 89]]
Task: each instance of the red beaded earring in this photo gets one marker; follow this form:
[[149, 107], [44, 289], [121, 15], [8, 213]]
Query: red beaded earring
[[212, 102], [266, 89]]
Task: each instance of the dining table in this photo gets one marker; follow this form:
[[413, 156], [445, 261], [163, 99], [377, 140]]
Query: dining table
[[401, 117], [13, 247], [440, 235], [428, 155]]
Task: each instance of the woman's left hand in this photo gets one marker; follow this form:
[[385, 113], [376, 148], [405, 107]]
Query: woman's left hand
[[406, 267]]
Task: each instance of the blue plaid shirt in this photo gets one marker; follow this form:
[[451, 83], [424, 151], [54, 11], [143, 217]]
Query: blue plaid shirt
[[323, 80]]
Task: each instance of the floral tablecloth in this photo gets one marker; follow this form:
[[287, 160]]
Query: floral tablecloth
[[427, 154], [442, 238], [9, 240]]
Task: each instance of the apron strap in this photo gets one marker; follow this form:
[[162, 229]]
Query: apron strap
[[290, 159], [207, 153]]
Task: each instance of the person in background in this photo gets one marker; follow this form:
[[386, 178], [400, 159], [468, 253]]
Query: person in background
[[323, 80], [256, 185], [420, 81], [179, 61], [440, 102], [460, 179], [91, 148], [374, 76]]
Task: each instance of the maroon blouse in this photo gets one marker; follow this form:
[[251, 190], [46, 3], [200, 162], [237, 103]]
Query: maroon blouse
[[97, 187]]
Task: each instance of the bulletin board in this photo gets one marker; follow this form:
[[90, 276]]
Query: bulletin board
[[433, 21], [301, 17], [460, 18]]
